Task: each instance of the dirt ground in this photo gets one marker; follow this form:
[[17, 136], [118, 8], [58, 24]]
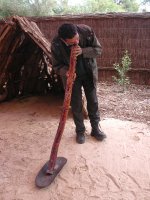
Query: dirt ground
[[115, 169], [132, 105]]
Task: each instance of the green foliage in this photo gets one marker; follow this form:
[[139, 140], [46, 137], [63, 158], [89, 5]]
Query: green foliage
[[27, 7], [129, 5], [122, 70], [8, 8], [101, 6], [53, 7]]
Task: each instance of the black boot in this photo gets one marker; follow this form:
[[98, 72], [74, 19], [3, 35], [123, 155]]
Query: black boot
[[80, 138], [98, 134]]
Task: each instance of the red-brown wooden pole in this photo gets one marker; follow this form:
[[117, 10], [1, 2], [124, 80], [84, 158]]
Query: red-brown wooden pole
[[64, 114]]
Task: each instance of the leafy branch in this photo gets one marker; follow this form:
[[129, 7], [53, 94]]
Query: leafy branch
[[122, 79]]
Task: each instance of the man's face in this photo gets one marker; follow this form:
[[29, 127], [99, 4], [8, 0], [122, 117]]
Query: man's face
[[72, 41]]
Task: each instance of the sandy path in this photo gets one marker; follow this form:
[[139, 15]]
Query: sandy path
[[116, 169]]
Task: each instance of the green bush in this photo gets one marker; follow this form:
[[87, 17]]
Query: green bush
[[122, 70]]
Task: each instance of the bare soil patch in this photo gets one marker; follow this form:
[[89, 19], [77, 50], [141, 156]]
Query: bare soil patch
[[115, 169], [133, 104]]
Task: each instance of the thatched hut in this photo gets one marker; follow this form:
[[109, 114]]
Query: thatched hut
[[25, 60]]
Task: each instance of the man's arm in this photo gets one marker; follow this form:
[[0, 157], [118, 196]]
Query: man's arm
[[94, 50], [57, 63]]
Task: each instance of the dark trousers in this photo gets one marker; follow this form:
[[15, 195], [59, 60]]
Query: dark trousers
[[92, 103]]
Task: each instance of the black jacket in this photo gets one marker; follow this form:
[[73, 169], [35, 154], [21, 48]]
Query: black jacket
[[91, 48]]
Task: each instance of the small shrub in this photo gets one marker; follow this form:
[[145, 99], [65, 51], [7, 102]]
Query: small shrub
[[122, 70]]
